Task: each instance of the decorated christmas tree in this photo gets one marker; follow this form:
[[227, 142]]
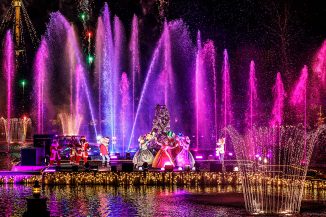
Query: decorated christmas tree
[[161, 122]]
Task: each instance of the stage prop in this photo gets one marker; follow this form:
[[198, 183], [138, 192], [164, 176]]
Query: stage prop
[[161, 147]]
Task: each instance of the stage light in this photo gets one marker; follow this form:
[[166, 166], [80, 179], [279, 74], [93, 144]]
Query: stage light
[[265, 160], [236, 169], [230, 154], [98, 137], [140, 168], [114, 157], [193, 169], [199, 157], [180, 168], [162, 169], [167, 163], [89, 34]]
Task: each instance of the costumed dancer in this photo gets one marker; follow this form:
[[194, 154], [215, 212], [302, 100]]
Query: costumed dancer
[[143, 154], [104, 150], [73, 152], [164, 156], [84, 148], [220, 151], [55, 150], [185, 157]]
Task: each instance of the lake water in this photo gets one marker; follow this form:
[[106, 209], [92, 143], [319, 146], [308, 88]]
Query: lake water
[[133, 201]]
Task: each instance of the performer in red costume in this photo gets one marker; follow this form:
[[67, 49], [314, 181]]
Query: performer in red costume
[[84, 148], [75, 150], [55, 150], [168, 152]]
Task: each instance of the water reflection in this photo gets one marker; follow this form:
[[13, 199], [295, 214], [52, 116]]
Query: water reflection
[[126, 201]]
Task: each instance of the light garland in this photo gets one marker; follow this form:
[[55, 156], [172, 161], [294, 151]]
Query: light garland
[[153, 179]]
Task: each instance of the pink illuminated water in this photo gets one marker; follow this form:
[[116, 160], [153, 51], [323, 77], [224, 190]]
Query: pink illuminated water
[[299, 100], [205, 94], [40, 70], [149, 75], [125, 101], [253, 97], [134, 63], [59, 59], [319, 64], [298, 96], [160, 85], [9, 72], [198, 72], [227, 111], [279, 95]]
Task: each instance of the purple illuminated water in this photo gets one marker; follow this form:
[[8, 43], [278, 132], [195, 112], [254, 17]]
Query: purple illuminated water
[[252, 111], [160, 85], [299, 100], [8, 65], [206, 91], [279, 96], [40, 70], [125, 109], [134, 61], [319, 64], [180, 75], [227, 112], [68, 97], [105, 70]]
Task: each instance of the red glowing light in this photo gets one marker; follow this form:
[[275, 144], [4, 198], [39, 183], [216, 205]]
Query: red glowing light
[[89, 34]]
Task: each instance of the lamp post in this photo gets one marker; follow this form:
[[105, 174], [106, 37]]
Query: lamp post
[[36, 205]]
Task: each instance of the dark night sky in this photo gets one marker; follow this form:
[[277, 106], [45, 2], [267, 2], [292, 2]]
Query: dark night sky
[[278, 35]]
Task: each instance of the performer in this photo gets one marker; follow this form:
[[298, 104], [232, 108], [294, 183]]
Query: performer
[[73, 152], [104, 150], [164, 155], [220, 151], [84, 148], [143, 154], [185, 157], [55, 150]]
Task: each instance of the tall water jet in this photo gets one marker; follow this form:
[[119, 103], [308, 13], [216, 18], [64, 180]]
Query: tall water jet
[[149, 75], [105, 70], [299, 101], [199, 69], [76, 73], [64, 65], [40, 71], [124, 112], [167, 68], [319, 64], [279, 95], [252, 111], [134, 61], [205, 95], [9, 72], [118, 43], [227, 111]]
